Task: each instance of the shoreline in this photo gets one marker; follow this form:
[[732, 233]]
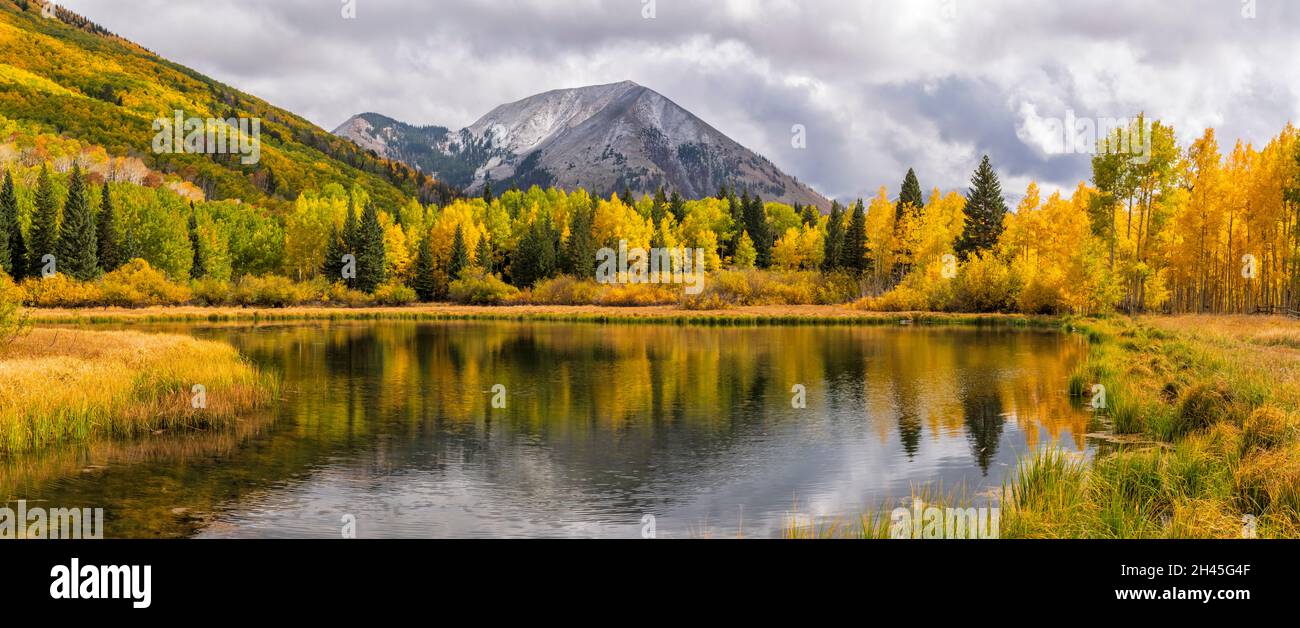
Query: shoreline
[[649, 314]]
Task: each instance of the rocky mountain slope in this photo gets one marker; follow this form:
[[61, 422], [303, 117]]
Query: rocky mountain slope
[[605, 138]]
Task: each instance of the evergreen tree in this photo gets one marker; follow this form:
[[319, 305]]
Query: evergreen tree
[[580, 254], [487, 189], [535, 259], [335, 249], [370, 250], [737, 212], [658, 207], [459, 255], [834, 244], [909, 194], [755, 224], [198, 269], [626, 195], [108, 247], [8, 223], [985, 211], [351, 237], [422, 280], [483, 257], [677, 205], [809, 215], [854, 254], [76, 246], [906, 212], [44, 234]]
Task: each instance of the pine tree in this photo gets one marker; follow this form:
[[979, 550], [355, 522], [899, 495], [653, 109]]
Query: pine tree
[[487, 189], [809, 215], [677, 205], [906, 213], [659, 206], [45, 224], [107, 246], [8, 222], [483, 256], [422, 280], [198, 269], [580, 253], [834, 245], [737, 211], [755, 224], [335, 249], [76, 246], [854, 254], [909, 194], [985, 211], [459, 255], [351, 239], [535, 259], [370, 250]]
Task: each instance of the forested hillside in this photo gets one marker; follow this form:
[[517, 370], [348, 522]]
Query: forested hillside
[[66, 76]]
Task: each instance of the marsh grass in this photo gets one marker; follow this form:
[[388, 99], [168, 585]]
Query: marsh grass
[[1218, 408], [63, 385]]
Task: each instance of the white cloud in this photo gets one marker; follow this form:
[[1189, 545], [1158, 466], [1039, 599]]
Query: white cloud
[[880, 86]]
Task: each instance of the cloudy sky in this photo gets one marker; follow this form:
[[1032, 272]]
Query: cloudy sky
[[878, 85]]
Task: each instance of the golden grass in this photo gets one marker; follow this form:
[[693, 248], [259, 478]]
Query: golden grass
[[65, 384]]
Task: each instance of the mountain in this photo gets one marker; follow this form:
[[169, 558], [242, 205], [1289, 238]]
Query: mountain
[[602, 137], [62, 75]]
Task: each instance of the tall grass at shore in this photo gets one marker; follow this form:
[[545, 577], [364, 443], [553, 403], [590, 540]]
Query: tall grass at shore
[[661, 315], [1217, 414], [73, 384]]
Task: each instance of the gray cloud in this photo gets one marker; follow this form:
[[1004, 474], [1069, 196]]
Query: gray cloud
[[881, 86]]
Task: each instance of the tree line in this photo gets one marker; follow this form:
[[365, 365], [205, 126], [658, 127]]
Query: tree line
[[1185, 230]]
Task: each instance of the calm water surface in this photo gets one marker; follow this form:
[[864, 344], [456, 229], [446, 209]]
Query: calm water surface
[[393, 423]]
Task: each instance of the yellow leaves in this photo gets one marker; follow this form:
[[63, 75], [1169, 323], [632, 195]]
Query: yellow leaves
[[617, 221], [880, 233], [307, 229], [397, 255], [941, 223], [709, 214], [799, 248], [18, 76], [709, 242], [1046, 244], [443, 232]]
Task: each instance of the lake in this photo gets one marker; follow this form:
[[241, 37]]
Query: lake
[[394, 424]]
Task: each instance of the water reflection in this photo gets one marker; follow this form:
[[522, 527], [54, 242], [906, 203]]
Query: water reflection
[[393, 423]]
